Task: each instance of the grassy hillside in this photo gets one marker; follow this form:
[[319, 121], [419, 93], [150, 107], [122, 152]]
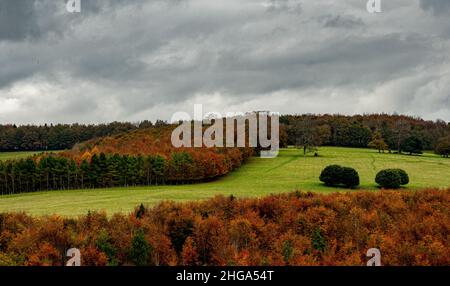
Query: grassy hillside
[[4, 156], [15, 155], [288, 172]]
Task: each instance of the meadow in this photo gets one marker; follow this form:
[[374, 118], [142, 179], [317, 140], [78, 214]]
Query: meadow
[[288, 172], [4, 156]]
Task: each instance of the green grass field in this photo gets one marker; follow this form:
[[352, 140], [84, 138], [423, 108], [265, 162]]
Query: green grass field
[[4, 156], [288, 172], [15, 155]]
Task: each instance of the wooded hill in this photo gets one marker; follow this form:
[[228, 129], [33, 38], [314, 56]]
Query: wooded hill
[[309, 130], [388, 132], [139, 157], [56, 137]]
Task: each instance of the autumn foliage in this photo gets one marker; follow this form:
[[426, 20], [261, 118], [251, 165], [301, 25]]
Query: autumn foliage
[[409, 227], [140, 157]]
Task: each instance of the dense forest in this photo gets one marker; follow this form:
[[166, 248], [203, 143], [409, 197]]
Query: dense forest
[[397, 133], [60, 136], [309, 130], [409, 228], [140, 157]]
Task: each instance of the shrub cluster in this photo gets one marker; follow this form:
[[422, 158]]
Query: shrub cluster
[[335, 175], [392, 178]]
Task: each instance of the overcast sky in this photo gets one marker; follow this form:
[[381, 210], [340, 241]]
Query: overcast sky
[[135, 60]]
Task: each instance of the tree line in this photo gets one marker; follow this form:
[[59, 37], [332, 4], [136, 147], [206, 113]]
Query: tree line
[[56, 172], [389, 132], [393, 133], [59, 136], [135, 158], [409, 228]]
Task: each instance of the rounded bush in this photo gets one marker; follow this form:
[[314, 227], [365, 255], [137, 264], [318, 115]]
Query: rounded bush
[[389, 179], [404, 176], [334, 175], [349, 177], [331, 175]]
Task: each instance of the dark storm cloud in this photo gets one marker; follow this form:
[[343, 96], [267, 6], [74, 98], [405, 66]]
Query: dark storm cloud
[[18, 20], [439, 7], [31, 19], [132, 60]]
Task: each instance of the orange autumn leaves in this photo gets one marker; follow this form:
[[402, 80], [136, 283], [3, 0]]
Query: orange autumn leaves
[[410, 228], [139, 158]]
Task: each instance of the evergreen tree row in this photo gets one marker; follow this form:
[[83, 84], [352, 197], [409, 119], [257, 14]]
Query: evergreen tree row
[[54, 172]]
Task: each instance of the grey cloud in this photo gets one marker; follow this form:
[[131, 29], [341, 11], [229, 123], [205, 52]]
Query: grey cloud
[[119, 59], [18, 20], [32, 19], [280, 6], [339, 21], [438, 7]]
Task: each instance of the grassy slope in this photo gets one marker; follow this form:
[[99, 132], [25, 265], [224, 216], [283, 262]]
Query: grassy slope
[[4, 156], [15, 155], [288, 172]]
